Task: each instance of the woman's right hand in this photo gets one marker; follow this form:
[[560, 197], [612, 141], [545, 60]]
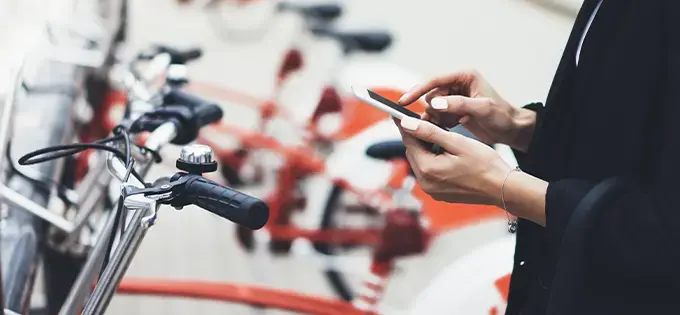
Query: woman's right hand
[[466, 98]]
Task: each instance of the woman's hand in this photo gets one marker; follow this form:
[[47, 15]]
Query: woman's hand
[[467, 98], [468, 172]]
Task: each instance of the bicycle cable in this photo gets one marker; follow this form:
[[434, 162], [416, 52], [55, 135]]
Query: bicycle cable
[[65, 150]]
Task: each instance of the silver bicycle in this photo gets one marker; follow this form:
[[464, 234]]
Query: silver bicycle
[[107, 236]]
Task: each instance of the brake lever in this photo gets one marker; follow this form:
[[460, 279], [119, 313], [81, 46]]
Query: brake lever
[[163, 194]]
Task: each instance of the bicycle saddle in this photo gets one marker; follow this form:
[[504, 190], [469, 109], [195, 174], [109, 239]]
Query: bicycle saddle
[[387, 150], [322, 11], [367, 41]]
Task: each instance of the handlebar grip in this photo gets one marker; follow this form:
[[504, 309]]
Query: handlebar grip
[[207, 114], [180, 56], [195, 113], [179, 97], [192, 54], [230, 204], [324, 11]]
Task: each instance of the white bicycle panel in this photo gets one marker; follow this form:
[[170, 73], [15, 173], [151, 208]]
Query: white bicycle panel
[[375, 73], [467, 286], [350, 162]]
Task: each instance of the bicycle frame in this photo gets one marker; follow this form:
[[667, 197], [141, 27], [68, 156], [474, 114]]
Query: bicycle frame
[[238, 293]]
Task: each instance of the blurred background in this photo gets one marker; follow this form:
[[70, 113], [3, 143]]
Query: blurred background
[[515, 44]]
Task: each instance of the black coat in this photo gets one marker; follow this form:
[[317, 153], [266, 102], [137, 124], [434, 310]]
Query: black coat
[[615, 115]]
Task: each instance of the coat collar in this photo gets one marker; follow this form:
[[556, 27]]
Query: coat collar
[[568, 63]]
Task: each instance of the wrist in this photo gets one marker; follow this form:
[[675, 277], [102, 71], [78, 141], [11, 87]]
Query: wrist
[[495, 181], [524, 196], [524, 125]]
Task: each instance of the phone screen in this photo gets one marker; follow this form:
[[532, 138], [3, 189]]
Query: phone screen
[[391, 104], [434, 148]]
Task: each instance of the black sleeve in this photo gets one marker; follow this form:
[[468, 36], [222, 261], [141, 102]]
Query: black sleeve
[[637, 236], [522, 156]]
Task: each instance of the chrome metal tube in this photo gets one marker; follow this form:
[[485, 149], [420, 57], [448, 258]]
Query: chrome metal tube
[[81, 288], [119, 263]]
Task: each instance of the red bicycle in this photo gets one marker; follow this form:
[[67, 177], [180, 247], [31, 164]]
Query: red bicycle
[[402, 232]]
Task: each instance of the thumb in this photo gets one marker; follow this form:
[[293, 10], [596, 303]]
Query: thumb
[[426, 131], [460, 105]]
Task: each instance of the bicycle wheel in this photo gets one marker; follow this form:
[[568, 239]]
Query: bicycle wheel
[[23, 234], [338, 213]]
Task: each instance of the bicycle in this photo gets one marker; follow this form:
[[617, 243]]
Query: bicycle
[[177, 119], [309, 117], [302, 163], [65, 51]]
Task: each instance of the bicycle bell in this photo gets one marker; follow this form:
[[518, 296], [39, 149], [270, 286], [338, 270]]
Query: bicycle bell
[[196, 159]]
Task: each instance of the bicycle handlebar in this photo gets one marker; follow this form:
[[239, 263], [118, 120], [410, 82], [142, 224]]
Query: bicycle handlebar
[[177, 96], [177, 56], [322, 11], [189, 112], [227, 203]]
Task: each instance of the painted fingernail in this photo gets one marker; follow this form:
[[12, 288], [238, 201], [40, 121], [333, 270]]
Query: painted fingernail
[[403, 97], [439, 103], [409, 123]]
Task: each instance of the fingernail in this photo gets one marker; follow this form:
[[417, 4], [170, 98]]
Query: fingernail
[[439, 103], [409, 123], [464, 119], [403, 97]]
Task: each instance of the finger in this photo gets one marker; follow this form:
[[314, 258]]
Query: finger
[[439, 91], [420, 90], [416, 154], [398, 123], [460, 105], [435, 119], [426, 131]]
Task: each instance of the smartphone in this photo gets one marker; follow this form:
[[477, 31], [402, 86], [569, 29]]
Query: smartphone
[[393, 109]]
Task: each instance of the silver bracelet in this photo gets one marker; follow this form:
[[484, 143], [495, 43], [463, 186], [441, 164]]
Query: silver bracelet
[[512, 222]]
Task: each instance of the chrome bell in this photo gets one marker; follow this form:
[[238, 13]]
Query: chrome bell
[[197, 159]]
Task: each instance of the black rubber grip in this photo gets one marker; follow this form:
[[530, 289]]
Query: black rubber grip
[[207, 114], [192, 54], [325, 11], [179, 97], [178, 56], [230, 204]]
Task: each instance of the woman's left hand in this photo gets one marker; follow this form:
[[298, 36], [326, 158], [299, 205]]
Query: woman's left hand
[[468, 172]]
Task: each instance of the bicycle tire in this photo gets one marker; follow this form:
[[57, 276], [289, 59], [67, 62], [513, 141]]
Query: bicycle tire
[[23, 234], [336, 280]]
